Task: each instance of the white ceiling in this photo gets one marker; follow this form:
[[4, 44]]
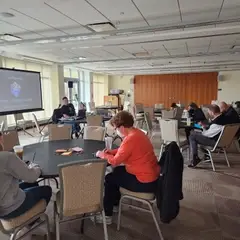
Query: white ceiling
[[166, 35]]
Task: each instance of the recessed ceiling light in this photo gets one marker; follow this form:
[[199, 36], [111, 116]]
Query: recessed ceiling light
[[45, 41], [7, 15], [81, 58]]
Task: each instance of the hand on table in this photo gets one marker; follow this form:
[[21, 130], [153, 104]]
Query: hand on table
[[108, 151], [100, 154]]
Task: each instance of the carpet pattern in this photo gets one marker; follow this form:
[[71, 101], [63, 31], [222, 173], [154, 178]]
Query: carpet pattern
[[210, 209]]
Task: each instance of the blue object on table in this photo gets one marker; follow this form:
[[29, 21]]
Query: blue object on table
[[197, 126]]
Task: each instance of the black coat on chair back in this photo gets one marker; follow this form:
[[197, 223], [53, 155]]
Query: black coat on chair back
[[169, 191]]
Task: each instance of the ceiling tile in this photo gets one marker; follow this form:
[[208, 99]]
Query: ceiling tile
[[195, 10], [117, 51], [159, 11], [230, 10], [79, 10], [9, 28]]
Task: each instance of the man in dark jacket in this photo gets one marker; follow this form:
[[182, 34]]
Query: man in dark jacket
[[169, 191], [229, 112]]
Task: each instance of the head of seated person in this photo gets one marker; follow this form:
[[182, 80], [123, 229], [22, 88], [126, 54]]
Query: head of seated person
[[214, 111], [193, 106], [173, 105], [224, 107], [123, 123], [65, 101]]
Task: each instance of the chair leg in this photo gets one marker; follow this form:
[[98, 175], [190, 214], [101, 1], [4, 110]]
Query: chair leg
[[211, 159], [13, 236], [48, 227], [57, 227], [104, 226], [155, 220], [119, 214], [226, 157], [161, 151]]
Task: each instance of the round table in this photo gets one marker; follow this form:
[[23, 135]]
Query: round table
[[48, 160]]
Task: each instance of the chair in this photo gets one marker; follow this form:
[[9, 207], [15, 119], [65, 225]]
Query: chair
[[94, 120], [59, 132], [92, 106], [13, 226], [149, 124], [144, 131], [43, 134], [2, 126], [178, 113], [81, 192], [21, 123], [143, 198], [170, 133], [10, 139], [150, 111], [168, 114], [94, 133], [224, 141]]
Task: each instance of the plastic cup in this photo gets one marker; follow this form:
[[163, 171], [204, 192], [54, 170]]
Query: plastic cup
[[18, 151], [108, 142]]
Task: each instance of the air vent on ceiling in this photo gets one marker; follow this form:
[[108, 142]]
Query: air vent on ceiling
[[102, 27], [141, 54], [9, 37], [236, 47]]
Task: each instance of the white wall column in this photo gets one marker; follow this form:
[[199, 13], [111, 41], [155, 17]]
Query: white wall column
[[57, 79]]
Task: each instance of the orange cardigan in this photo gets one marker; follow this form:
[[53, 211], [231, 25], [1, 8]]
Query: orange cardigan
[[137, 154]]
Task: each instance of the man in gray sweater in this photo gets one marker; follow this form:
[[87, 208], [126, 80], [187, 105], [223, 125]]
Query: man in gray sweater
[[17, 198]]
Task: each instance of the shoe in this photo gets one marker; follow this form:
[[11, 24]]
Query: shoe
[[116, 209], [77, 135], [99, 219], [195, 162]]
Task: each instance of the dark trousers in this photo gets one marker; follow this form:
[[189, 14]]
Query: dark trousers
[[34, 194], [121, 178], [196, 138]]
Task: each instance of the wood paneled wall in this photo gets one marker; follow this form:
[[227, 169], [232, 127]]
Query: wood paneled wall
[[200, 88]]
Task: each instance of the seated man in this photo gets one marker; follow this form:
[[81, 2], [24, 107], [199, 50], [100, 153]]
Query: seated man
[[229, 112], [208, 137], [68, 110], [17, 197]]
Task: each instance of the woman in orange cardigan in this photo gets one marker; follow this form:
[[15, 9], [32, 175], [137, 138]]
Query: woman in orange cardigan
[[140, 171]]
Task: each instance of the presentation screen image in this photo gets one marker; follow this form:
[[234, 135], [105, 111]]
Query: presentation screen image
[[20, 91]]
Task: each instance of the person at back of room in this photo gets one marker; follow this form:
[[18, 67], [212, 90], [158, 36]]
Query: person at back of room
[[82, 110], [19, 191], [140, 171], [67, 108], [209, 136], [229, 112]]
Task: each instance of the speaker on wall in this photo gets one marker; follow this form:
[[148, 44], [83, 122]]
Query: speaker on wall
[[70, 84]]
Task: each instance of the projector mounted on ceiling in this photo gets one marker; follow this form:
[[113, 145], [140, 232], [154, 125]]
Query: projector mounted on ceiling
[[102, 27]]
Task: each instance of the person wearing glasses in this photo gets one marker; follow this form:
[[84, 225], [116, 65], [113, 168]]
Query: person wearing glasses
[[136, 166]]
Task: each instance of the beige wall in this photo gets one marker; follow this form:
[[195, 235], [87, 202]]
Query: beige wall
[[230, 86]]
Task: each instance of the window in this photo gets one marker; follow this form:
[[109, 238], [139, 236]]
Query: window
[[45, 72], [98, 89]]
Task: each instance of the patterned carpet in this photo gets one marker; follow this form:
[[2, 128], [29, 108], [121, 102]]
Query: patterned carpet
[[210, 209]]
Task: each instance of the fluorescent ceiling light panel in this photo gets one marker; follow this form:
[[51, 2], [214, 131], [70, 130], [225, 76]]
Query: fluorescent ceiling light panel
[[9, 38], [102, 27], [45, 41]]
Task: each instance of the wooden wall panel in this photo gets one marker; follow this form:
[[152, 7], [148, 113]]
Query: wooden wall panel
[[167, 88]]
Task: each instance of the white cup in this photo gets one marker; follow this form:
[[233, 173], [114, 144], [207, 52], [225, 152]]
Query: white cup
[[18, 150], [108, 142]]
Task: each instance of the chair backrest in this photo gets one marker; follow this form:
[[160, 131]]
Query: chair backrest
[[59, 132], [148, 121], [169, 130], [138, 107], [81, 187], [144, 131], [94, 120], [94, 133], [149, 110], [10, 139], [159, 106], [168, 114], [178, 113], [36, 122], [18, 117], [205, 111], [92, 106], [2, 126], [227, 136]]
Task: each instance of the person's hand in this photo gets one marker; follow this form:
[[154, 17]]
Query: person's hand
[[65, 116], [107, 151], [100, 154]]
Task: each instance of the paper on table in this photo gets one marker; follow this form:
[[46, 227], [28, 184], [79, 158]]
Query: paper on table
[[77, 149]]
